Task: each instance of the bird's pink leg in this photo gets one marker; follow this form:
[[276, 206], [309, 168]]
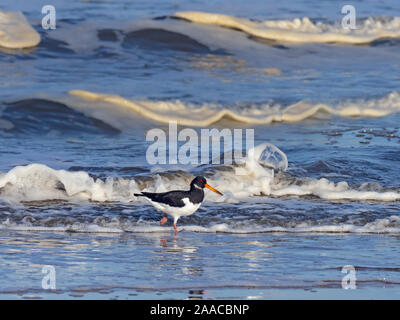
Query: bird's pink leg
[[164, 220], [175, 228]]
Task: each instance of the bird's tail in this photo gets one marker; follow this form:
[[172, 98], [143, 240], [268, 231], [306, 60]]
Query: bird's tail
[[138, 195]]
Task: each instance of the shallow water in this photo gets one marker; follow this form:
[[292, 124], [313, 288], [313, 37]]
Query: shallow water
[[199, 266], [69, 165]]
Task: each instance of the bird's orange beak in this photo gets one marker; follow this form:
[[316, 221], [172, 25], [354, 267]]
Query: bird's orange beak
[[215, 190]]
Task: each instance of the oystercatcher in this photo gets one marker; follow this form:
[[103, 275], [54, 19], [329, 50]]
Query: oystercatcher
[[179, 203]]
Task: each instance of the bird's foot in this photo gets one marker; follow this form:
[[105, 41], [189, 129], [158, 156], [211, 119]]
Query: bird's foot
[[164, 220]]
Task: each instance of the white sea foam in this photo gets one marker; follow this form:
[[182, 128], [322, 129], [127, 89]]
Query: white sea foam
[[16, 32], [302, 30], [240, 183], [254, 181], [389, 225], [381, 226], [37, 182], [205, 115]]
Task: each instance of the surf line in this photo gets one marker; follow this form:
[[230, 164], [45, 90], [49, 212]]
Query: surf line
[[187, 153]]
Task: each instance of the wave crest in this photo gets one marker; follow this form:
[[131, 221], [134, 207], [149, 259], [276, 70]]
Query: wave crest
[[253, 178], [16, 32], [302, 30], [207, 114]]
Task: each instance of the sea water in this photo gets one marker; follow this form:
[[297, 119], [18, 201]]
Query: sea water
[[75, 110]]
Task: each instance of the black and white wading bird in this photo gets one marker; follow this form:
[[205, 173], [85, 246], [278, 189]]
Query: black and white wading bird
[[179, 203]]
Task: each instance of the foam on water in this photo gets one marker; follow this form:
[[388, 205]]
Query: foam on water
[[251, 183], [16, 32], [389, 225], [37, 182], [302, 30], [200, 116]]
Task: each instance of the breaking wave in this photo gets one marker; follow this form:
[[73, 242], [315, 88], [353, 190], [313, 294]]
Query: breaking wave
[[16, 32], [302, 30], [77, 201], [254, 177], [205, 115], [389, 225]]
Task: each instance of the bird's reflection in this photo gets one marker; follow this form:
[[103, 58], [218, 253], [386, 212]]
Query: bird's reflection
[[173, 245], [164, 242], [179, 255]]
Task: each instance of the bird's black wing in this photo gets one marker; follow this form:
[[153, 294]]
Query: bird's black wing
[[171, 198]]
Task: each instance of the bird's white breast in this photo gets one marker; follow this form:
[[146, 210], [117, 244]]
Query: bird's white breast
[[187, 210]]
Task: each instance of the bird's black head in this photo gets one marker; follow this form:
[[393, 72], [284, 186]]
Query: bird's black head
[[201, 183]]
